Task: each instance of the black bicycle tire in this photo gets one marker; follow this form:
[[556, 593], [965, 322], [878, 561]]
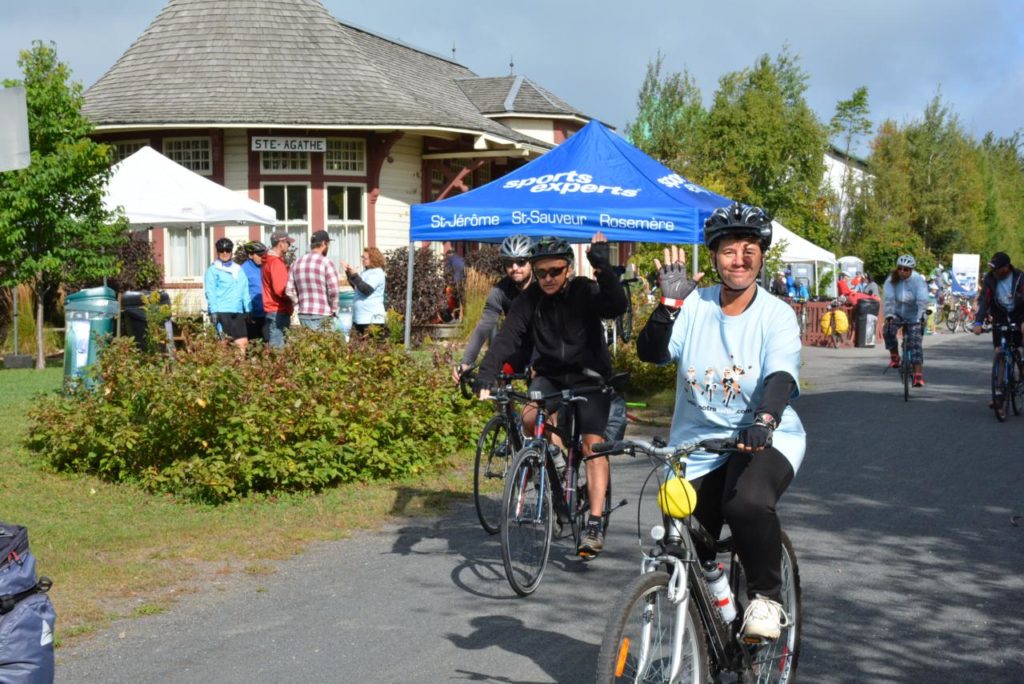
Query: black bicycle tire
[[953, 319], [905, 373], [1014, 389], [532, 458], [998, 398], [624, 324], [490, 519], [637, 590]]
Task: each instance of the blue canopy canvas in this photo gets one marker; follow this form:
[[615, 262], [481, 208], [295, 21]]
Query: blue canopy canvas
[[594, 181]]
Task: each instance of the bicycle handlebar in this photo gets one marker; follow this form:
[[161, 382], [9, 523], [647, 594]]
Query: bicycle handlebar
[[626, 446]]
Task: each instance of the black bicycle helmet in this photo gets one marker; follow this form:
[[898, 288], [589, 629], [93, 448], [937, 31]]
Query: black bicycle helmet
[[515, 247], [738, 220], [255, 247], [225, 245], [549, 247]]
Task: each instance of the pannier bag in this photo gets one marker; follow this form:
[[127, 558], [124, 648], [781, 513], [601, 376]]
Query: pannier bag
[[842, 323], [27, 617]]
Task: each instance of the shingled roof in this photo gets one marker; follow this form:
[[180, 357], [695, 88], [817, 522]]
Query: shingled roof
[[279, 62], [514, 95]]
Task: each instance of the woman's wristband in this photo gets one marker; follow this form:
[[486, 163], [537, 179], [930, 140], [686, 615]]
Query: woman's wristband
[[674, 303]]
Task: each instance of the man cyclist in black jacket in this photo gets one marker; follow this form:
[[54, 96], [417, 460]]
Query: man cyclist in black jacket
[[560, 316], [1002, 299]]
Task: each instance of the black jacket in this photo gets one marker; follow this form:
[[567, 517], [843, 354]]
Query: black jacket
[[565, 329], [988, 305]]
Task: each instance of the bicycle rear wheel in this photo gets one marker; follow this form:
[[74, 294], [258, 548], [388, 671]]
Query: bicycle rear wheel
[[494, 452], [637, 643], [775, 662], [1000, 397], [624, 324], [526, 525], [953, 320]]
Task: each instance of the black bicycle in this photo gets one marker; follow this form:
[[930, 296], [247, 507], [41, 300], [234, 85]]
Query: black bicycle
[[1007, 374], [547, 488], [499, 441], [678, 621], [906, 370]]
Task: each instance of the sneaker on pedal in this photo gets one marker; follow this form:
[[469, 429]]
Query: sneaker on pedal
[[763, 619], [918, 380], [592, 541], [894, 361]]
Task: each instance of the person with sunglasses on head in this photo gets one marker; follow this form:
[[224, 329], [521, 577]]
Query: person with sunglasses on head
[[515, 259], [737, 330], [905, 301], [560, 317]]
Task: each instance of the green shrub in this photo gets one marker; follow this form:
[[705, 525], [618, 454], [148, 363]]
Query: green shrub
[[645, 379], [212, 426]]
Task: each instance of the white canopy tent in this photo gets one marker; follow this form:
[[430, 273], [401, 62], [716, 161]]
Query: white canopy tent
[[799, 250], [155, 191]]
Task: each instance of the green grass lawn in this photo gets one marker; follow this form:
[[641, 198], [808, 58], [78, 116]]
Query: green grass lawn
[[114, 551]]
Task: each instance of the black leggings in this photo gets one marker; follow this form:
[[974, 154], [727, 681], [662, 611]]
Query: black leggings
[[745, 491]]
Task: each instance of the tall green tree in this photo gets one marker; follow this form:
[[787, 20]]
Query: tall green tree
[[848, 126], [766, 146], [1002, 169], [53, 227]]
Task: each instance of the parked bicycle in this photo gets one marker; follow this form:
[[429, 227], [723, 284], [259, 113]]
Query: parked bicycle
[[620, 328], [679, 621], [834, 324], [1007, 374], [958, 313], [500, 440], [547, 488]]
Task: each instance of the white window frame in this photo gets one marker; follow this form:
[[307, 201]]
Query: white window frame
[[137, 144], [335, 251], [302, 237], [208, 171], [285, 172], [202, 232], [361, 171]]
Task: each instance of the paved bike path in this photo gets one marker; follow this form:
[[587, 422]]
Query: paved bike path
[[901, 517]]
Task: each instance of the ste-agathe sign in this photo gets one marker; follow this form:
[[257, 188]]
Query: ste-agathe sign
[[282, 144]]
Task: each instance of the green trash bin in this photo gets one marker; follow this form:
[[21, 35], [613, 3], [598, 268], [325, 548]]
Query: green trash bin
[[88, 320]]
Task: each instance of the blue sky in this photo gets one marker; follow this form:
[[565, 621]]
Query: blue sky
[[904, 51]]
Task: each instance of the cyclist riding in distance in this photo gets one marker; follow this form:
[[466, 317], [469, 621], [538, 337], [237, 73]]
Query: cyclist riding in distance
[[906, 298], [738, 328], [1002, 298], [560, 317], [515, 259]]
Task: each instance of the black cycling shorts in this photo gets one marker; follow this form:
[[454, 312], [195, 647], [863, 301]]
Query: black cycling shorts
[[232, 325], [592, 413]]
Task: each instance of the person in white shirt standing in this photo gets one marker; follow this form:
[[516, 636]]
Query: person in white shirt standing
[[368, 312]]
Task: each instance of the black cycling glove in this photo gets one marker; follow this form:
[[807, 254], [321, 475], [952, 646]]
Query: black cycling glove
[[597, 255], [759, 435], [674, 282]]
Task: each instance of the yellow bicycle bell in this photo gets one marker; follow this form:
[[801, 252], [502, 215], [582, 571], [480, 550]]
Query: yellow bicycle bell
[[677, 497]]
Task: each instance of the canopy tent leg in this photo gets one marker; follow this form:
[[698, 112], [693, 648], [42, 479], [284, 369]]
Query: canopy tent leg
[[408, 296]]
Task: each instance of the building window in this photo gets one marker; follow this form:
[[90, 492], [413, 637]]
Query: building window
[[123, 149], [291, 202], [192, 153], [188, 252], [345, 155], [346, 223], [285, 162], [436, 183], [483, 175]]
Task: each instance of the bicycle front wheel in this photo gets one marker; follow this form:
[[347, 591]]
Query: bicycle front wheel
[[494, 452], [905, 373], [1017, 393], [526, 523], [953, 320], [624, 324], [1000, 397], [637, 643]]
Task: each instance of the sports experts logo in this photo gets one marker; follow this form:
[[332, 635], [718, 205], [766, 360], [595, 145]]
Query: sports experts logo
[[569, 182], [675, 181]]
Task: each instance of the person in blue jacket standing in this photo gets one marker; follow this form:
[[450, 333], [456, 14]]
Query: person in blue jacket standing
[[227, 295], [906, 301], [253, 267]]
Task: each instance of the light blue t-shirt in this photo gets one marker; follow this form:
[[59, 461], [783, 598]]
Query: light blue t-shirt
[[1004, 292], [369, 309], [722, 363]]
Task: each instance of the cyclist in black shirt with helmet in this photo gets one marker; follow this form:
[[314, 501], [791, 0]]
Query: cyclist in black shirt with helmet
[[560, 317]]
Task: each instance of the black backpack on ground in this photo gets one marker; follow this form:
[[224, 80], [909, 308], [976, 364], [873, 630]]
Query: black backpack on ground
[[27, 617]]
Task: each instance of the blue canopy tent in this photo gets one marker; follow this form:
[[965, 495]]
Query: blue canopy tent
[[594, 181]]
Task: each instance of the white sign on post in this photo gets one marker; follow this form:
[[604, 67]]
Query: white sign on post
[[264, 143], [966, 269], [14, 145]]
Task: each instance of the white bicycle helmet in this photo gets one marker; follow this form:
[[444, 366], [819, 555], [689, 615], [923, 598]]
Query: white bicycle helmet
[[907, 261], [515, 247]]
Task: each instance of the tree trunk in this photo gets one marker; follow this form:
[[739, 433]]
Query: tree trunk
[[40, 349]]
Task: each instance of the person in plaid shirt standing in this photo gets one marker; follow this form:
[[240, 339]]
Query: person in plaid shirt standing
[[313, 284]]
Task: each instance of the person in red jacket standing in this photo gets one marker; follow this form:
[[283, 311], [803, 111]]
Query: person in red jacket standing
[[275, 278]]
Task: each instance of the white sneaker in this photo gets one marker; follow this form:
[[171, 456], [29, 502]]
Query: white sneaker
[[763, 619]]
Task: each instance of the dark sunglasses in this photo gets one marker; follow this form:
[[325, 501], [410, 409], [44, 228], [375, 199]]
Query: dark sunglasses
[[904, 269], [554, 272], [509, 263]]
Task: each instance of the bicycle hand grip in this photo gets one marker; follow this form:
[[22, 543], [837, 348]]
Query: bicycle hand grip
[[609, 447], [718, 445]]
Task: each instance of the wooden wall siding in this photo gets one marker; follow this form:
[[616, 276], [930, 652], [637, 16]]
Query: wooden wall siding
[[541, 129], [400, 185]]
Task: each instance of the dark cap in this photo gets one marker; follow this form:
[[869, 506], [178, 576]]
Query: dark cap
[[281, 235], [319, 237], [225, 245], [255, 247], [999, 260]]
